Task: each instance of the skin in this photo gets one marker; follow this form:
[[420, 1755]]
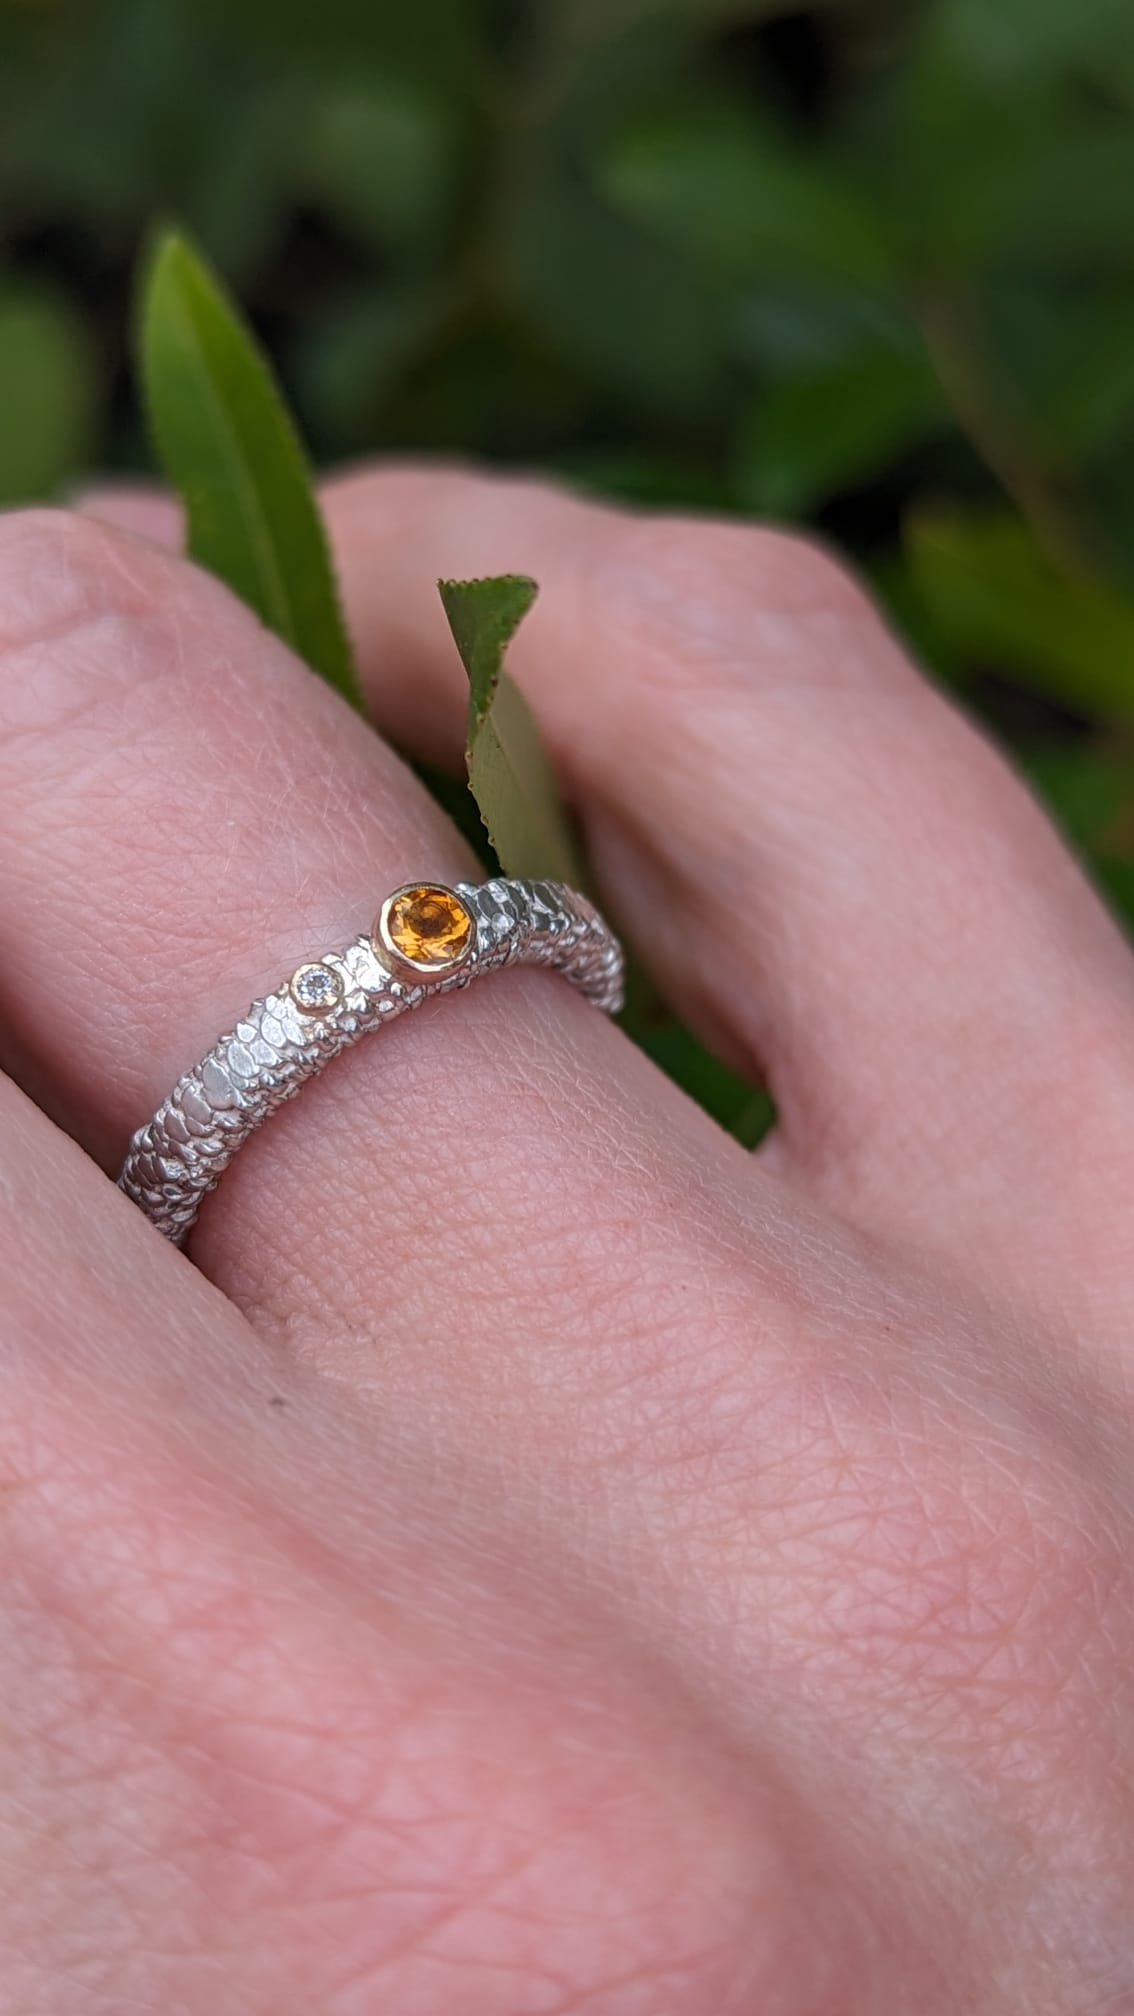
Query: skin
[[530, 1556]]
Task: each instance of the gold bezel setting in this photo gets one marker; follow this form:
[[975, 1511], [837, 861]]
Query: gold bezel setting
[[412, 917]]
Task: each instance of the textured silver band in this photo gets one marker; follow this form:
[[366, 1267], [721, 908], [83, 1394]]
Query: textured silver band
[[181, 1154]]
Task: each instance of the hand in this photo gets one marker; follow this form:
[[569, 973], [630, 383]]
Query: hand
[[540, 1559]]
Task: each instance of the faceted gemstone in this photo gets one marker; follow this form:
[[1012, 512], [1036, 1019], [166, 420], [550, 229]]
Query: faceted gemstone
[[316, 989], [427, 926]]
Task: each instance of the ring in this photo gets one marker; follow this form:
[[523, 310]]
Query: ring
[[426, 939]]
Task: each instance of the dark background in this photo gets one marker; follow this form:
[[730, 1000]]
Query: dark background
[[865, 266]]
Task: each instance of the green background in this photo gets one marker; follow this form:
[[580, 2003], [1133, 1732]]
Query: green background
[[868, 267]]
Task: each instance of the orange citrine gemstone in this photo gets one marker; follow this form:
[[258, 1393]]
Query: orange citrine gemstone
[[427, 926]]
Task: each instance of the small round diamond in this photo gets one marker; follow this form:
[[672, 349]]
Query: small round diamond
[[316, 989], [425, 926]]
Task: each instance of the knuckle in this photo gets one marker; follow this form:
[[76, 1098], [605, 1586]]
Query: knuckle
[[737, 567], [748, 600], [787, 570], [124, 682], [56, 565], [89, 615], [72, 596]]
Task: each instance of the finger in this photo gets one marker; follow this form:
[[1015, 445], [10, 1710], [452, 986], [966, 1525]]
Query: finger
[[237, 1623], [827, 866], [187, 815], [494, 1221], [147, 512]]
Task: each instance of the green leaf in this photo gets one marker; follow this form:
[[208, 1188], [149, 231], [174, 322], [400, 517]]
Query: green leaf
[[739, 196], [353, 359], [1002, 602], [1069, 358], [46, 393], [755, 1120], [510, 775], [820, 431], [643, 474], [811, 322], [231, 449], [1091, 792], [1074, 216], [721, 1091], [1014, 41], [438, 43], [382, 156], [633, 314]]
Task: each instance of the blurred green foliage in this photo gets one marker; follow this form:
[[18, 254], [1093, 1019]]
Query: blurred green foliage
[[868, 266]]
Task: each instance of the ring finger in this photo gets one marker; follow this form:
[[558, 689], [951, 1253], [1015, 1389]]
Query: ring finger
[[845, 887], [188, 816]]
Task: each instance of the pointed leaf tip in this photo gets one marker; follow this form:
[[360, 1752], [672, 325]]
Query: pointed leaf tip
[[510, 774]]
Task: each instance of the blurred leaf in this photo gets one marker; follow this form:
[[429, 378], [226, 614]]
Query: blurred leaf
[[645, 476], [237, 189], [351, 359], [116, 90], [1000, 600], [229, 447], [800, 322], [1009, 42], [1069, 357], [431, 41], [1089, 790], [485, 386], [1112, 494], [683, 1057], [46, 393], [592, 64], [911, 616], [1075, 210], [738, 196], [754, 1121], [381, 156], [1115, 880], [600, 19], [823, 431], [633, 315], [509, 773], [1005, 164], [968, 160]]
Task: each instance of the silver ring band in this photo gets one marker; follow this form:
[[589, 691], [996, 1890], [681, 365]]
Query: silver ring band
[[427, 939]]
